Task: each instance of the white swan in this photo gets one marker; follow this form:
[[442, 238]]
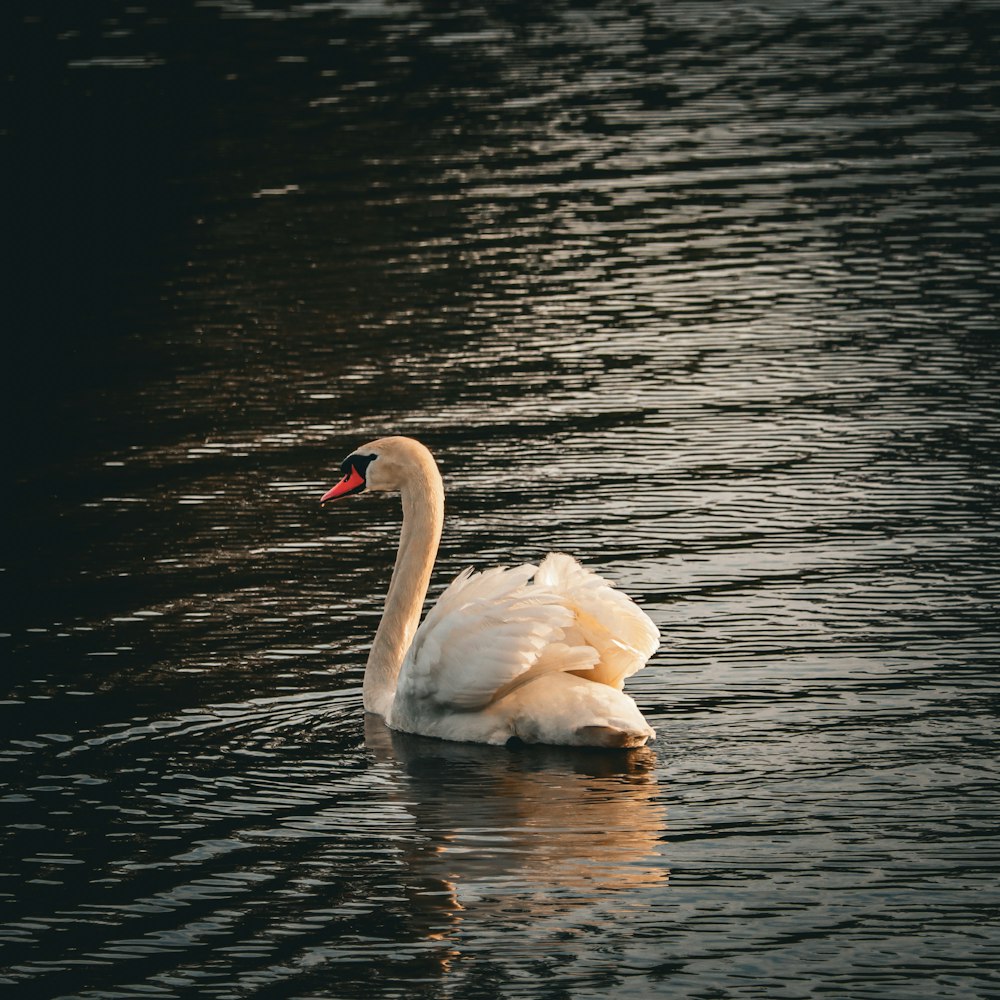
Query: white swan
[[537, 653]]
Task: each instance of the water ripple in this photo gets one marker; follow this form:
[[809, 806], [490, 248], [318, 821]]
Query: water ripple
[[705, 294]]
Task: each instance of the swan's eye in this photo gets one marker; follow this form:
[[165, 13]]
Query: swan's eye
[[357, 462]]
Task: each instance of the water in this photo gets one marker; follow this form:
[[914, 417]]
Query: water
[[703, 293]]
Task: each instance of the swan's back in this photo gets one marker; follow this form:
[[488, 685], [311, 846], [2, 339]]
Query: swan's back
[[540, 653]]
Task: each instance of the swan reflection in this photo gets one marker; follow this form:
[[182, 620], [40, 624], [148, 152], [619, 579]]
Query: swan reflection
[[556, 828]]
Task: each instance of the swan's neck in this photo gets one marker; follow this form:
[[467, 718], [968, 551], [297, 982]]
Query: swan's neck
[[423, 516]]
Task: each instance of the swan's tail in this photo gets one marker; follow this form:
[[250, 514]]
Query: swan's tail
[[605, 618]]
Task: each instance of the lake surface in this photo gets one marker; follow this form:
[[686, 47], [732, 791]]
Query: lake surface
[[703, 293]]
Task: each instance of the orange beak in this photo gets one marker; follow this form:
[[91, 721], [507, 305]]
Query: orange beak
[[353, 482]]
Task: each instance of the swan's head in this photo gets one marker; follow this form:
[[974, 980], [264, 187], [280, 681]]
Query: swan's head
[[385, 465]]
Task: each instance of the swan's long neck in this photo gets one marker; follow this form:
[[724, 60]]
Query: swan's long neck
[[423, 516]]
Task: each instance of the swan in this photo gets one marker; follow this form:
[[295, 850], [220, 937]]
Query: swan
[[531, 653]]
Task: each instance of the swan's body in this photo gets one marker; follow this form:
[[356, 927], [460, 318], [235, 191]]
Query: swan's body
[[534, 653]]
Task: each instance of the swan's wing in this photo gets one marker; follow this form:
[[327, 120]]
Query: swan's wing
[[606, 619], [484, 635]]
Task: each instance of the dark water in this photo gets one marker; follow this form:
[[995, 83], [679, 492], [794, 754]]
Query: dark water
[[704, 293]]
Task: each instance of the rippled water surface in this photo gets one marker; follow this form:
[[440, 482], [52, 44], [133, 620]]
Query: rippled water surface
[[704, 293]]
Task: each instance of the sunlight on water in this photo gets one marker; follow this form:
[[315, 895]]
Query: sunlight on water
[[704, 294]]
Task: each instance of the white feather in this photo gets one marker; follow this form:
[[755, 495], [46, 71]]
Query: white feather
[[494, 634]]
